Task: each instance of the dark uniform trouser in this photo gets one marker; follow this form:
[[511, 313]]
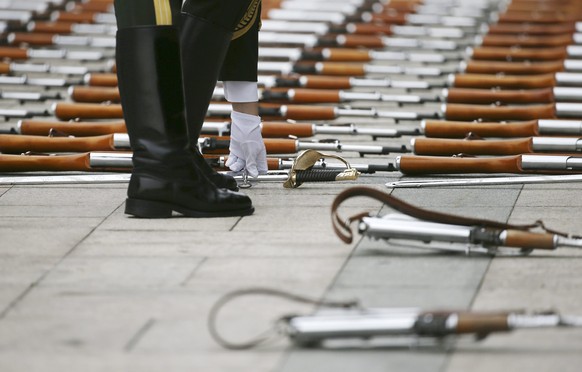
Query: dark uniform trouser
[[239, 16]]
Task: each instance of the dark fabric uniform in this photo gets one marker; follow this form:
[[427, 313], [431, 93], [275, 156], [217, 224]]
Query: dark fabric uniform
[[242, 17]]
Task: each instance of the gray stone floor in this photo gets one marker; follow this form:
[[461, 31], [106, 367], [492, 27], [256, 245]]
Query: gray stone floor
[[84, 287]]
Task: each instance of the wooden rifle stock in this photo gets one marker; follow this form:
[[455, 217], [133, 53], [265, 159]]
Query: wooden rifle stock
[[75, 17], [412, 164], [362, 41], [485, 96], [483, 112], [101, 79], [389, 18], [283, 129], [327, 82], [529, 240], [504, 81], [531, 28], [31, 38], [335, 68], [80, 129], [5, 68], [513, 68], [460, 129], [481, 323], [537, 41], [519, 54], [68, 111], [94, 94], [301, 95], [14, 144], [449, 147], [347, 55], [13, 53], [307, 112], [537, 17], [51, 27], [280, 146], [38, 163], [361, 28], [94, 6]]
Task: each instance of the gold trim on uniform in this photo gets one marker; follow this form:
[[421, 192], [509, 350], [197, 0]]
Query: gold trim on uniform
[[163, 12], [248, 20]]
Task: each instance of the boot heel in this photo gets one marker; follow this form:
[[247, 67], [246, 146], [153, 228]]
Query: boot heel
[[147, 209]]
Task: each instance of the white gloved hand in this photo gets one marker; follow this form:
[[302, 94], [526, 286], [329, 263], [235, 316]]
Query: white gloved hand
[[247, 149]]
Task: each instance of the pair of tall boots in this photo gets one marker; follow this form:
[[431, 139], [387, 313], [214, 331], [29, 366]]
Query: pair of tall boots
[[169, 174]]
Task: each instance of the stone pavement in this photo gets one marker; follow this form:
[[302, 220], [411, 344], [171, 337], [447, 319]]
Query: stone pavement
[[84, 287]]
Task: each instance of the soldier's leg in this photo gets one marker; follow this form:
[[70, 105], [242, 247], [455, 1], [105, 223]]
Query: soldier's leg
[[207, 29], [164, 177]]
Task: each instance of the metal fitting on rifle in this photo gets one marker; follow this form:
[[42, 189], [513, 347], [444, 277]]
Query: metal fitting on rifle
[[302, 171]]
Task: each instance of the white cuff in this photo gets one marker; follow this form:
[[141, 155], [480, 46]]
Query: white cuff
[[241, 91]]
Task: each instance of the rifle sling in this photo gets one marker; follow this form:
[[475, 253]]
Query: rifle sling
[[343, 230]]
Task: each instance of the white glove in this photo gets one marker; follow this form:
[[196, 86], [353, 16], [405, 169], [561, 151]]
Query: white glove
[[247, 149]]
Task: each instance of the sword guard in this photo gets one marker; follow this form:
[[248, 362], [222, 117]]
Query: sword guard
[[305, 161]]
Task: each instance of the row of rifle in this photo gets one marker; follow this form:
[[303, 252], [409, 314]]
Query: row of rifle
[[466, 99], [316, 56]]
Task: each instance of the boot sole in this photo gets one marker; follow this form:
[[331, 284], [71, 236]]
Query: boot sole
[[153, 209]]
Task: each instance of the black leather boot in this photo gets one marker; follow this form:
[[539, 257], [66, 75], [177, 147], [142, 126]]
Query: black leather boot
[[165, 177], [203, 47]]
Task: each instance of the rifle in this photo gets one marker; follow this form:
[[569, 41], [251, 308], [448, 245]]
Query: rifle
[[29, 96], [16, 53], [420, 328], [449, 147], [121, 161], [44, 39], [91, 94], [462, 234], [268, 129], [517, 164], [358, 41], [14, 67], [83, 162], [461, 129], [349, 55], [361, 28], [319, 28], [67, 111], [42, 81], [304, 81], [390, 18], [524, 54], [84, 17], [530, 41], [286, 164], [344, 69], [71, 28], [211, 145], [515, 81], [396, 327], [450, 95], [532, 29], [11, 144]]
